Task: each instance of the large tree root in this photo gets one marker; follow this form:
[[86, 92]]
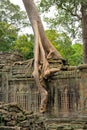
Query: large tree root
[[43, 51]]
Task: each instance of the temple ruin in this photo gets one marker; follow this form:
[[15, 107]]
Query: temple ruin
[[67, 89]]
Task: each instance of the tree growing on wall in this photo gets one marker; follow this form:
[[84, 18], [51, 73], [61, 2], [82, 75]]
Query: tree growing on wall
[[43, 51]]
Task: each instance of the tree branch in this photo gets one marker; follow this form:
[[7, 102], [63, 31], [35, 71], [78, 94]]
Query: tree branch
[[70, 10], [75, 13]]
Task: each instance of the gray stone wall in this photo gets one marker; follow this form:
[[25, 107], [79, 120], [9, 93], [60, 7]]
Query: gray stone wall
[[67, 89]]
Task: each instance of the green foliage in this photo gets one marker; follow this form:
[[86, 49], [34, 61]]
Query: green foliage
[[12, 19], [67, 15], [77, 54], [68, 5], [71, 52], [12, 14], [67, 18], [8, 35], [52, 36], [65, 46], [24, 45]]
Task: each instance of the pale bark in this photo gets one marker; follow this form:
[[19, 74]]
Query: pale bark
[[43, 50]]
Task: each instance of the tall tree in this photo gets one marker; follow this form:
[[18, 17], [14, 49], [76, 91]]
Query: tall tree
[[71, 13], [43, 51]]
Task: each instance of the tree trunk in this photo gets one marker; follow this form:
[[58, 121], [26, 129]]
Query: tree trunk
[[43, 50], [84, 31]]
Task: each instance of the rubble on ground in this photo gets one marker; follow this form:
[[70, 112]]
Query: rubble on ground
[[13, 117]]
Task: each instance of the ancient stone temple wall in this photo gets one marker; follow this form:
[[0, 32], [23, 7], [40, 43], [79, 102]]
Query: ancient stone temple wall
[[67, 89], [64, 94], [7, 59]]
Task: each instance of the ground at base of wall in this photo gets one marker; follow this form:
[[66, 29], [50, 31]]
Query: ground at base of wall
[[67, 124], [13, 117]]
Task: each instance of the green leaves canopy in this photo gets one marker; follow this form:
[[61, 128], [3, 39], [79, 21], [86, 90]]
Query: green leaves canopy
[[71, 52], [67, 15], [13, 19], [12, 14], [25, 44], [8, 35]]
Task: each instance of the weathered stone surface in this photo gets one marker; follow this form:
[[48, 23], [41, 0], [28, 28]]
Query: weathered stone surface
[[60, 124], [10, 57], [67, 94], [9, 128], [20, 118], [66, 88]]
